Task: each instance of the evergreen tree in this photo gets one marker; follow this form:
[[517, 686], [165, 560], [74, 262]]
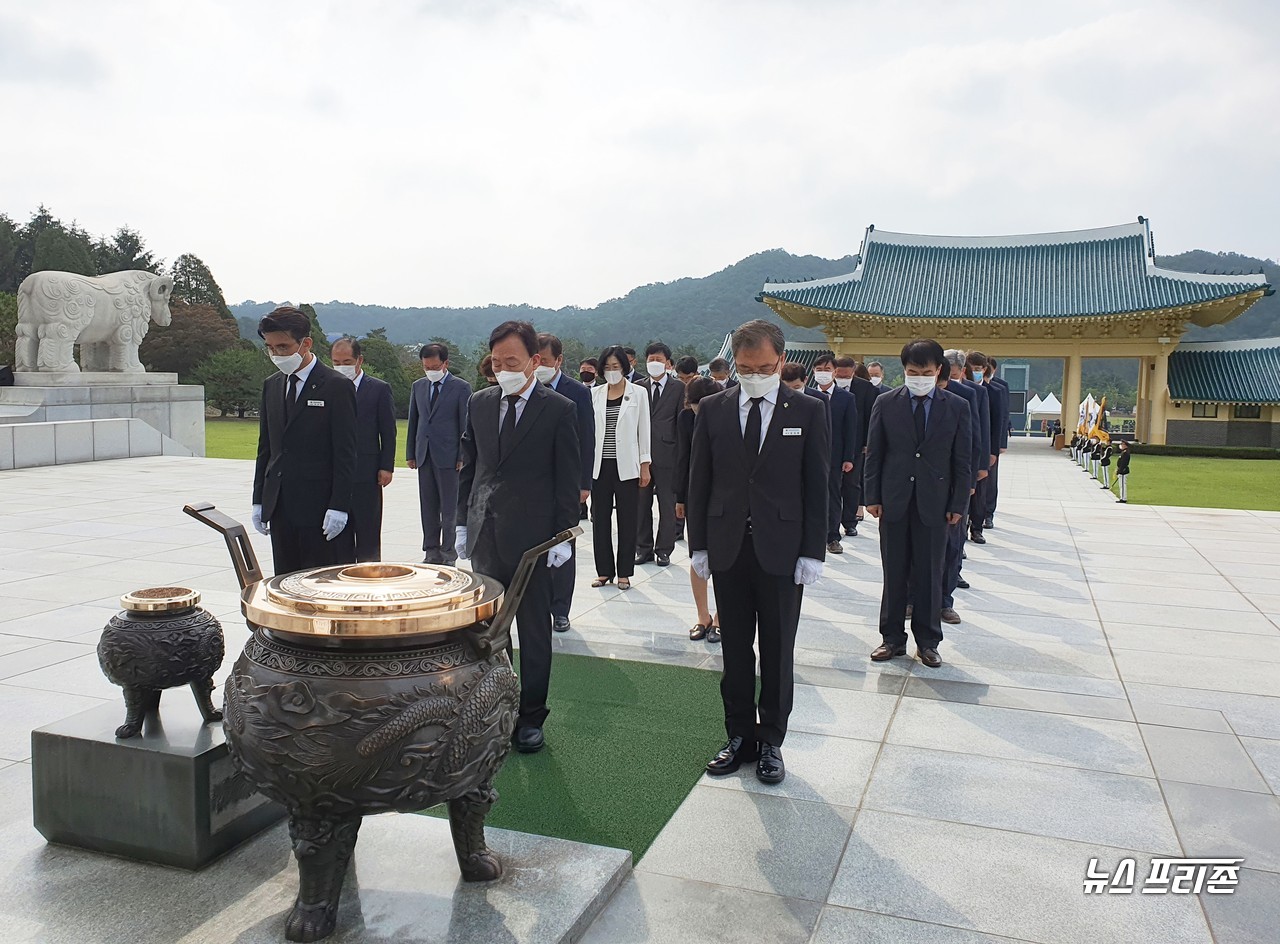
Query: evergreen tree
[[63, 250], [194, 284], [196, 333], [8, 326], [40, 221], [123, 252], [9, 240], [319, 343], [382, 360], [233, 378]]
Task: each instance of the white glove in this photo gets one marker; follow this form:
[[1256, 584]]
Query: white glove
[[334, 523], [701, 566], [460, 541], [808, 571], [262, 527], [558, 555]]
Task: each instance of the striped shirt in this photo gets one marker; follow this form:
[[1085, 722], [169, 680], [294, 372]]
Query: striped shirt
[[611, 409]]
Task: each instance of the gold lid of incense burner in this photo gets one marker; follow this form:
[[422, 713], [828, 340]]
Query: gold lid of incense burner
[[160, 600]]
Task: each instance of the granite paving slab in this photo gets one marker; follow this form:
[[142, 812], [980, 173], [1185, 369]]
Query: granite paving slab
[[1204, 757], [1214, 821]]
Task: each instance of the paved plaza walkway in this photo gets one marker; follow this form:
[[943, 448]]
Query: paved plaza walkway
[[1112, 693]]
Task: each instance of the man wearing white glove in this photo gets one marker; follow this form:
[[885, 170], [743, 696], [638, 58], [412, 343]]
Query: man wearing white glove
[[520, 486], [757, 522], [306, 464]]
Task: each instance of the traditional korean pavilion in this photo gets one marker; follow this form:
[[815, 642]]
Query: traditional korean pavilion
[[1088, 293]]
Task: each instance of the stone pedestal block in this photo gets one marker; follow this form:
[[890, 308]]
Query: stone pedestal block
[[170, 795]]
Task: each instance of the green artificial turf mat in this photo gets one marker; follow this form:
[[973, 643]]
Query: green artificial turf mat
[[626, 741]]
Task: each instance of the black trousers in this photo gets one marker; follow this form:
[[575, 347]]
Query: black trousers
[[297, 539], [608, 492], [662, 485], [978, 505], [835, 502], [954, 561], [851, 496], [438, 502], [533, 629], [993, 489], [751, 604], [366, 521], [912, 555], [563, 580]]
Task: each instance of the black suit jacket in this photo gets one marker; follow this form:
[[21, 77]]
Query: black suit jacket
[[935, 473], [662, 422], [375, 430], [530, 495], [571, 389], [784, 495], [865, 394], [313, 457], [977, 458], [1001, 387], [846, 431]]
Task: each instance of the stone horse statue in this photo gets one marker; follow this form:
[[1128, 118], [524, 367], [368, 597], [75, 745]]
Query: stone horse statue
[[107, 315]]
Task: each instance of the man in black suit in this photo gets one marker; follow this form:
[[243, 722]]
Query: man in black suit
[[846, 446], [719, 371], [864, 395], [437, 418], [952, 380], [306, 450], [980, 372], [551, 373], [757, 517], [1001, 388], [666, 400], [919, 466], [375, 447], [520, 487]]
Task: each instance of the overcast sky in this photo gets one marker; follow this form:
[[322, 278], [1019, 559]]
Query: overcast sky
[[457, 152]]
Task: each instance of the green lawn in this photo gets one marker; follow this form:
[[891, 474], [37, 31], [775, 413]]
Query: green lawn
[[229, 438], [626, 742], [1208, 483]]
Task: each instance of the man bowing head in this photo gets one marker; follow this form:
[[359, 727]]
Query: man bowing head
[[757, 519]]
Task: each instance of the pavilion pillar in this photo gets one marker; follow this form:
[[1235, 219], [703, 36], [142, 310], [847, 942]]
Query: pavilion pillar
[[1158, 396], [1142, 407], [1071, 395]]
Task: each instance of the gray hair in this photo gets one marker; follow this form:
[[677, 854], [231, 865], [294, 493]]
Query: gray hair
[[955, 357], [756, 333]]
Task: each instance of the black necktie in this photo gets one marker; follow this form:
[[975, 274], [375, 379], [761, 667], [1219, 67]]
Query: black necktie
[[919, 418], [654, 390], [751, 438], [291, 396], [435, 395], [507, 435]]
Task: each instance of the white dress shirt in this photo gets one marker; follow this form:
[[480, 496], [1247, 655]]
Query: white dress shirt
[[520, 405], [767, 403]]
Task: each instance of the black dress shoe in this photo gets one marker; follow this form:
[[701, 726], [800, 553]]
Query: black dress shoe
[[989, 523], [561, 624], [662, 560], [929, 657], [852, 532], [643, 559], [528, 740], [835, 547], [962, 584], [885, 652], [977, 538], [733, 755], [949, 615], [770, 768]]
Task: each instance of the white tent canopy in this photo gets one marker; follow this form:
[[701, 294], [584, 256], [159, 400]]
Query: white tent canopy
[[1049, 405]]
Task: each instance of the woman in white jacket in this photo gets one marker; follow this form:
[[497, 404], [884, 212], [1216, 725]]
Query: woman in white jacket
[[621, 469]]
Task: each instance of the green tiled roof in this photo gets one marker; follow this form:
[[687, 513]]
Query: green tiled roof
[[1226, 372], [1049, 275]]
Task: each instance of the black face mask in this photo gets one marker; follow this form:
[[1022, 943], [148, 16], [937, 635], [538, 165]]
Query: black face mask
[[587, 377]]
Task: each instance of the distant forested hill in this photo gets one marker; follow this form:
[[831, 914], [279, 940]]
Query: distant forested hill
[[699, 312]]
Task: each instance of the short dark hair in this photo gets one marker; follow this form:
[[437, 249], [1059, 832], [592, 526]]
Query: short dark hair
[[520, 329], [698, 388], [657, 347], [844, 360], [991, 362], [620, 353], [871, 364], [687, 365], [630, 352], [923, 352], [546, 339], [590, 360], [976, 359], [356, 350], [824, 359], [434, 349], [755, 333], [859, 370], [286, 318], [486, 366], [718, 365], [793, 371]]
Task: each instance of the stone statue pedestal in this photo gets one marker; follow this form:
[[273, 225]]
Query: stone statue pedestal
[[170, 795], [101, 378]]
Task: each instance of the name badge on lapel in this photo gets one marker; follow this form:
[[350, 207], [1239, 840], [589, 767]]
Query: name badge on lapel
[[315, 403], [791, 431]]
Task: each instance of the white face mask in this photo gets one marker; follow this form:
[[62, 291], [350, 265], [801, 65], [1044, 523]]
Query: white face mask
[[822, 378], [346, 370], [655, 368], [977, 376], [877, 381], [544, 373], [757, 385], [613, 377], [920, 386], [844, 383], [512, 381], [435, 376], [288, 364]]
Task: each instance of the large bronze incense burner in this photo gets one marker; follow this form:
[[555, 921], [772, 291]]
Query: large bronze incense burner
[[368, 688]]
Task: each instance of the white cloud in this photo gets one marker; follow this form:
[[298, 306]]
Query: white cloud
[[460, 153]]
